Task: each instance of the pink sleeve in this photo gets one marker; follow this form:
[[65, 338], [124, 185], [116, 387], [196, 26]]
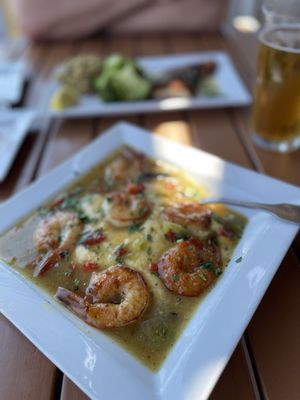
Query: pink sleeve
[[175, 16], [70, 18]]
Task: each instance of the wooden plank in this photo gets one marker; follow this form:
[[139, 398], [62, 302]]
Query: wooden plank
[[97, 46], [21, 363], [274, 330], [274, 334], [70, 391], [235, 382], [281, 166], [150, 45], [66, 138], [54, 54], [25, 372]]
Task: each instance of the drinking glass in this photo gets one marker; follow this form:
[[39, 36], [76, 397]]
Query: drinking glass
[[276, 109]]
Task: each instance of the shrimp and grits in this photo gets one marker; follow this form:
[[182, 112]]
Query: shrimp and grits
[[129, 250]]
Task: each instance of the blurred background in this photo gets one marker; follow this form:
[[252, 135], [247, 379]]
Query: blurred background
[[243, 15]]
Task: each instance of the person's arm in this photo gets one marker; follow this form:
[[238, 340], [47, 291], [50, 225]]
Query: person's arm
[[50, 19]]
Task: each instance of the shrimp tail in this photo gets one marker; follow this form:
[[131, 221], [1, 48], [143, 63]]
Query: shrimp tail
[[73, 301], [47, 261]]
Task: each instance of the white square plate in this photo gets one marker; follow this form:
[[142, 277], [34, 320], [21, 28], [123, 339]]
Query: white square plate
[[232, 89], [14, 126], [101, 368]]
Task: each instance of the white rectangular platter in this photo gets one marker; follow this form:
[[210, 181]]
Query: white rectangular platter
[[101, 368], [232, 90]]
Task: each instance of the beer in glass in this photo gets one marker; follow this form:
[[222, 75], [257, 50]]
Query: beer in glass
[[276, 110]]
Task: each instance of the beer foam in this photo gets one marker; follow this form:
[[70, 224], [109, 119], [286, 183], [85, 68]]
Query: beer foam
[[283, 37]]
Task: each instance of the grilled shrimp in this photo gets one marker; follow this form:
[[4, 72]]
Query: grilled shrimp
[[125, 168], [192, 215], [57, 231], [55, 234], [122, 209], [115, 297], [189, 267]]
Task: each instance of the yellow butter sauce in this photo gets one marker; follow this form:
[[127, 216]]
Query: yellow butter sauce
[[152, 337]]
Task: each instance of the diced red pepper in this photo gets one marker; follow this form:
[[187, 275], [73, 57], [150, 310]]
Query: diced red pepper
[[171, 236], [90, 266], [223, 231], [153, 267], [135, 188], [122, 251], [95, 237], [197, 243]]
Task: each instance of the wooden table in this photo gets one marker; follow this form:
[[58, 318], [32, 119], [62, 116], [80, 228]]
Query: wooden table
[[266, 362]]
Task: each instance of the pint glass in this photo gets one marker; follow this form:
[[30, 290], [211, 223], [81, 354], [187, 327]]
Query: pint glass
[[276, 110]]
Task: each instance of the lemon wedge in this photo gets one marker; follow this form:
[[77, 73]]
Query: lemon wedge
[[64, 97]]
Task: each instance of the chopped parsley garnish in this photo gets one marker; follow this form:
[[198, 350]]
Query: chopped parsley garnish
[[149, 251], [149, 237], [218, 271], [136, 227], [69, 203], [68, 274], [206, 265], [85, 218], [175, 278], [65, 254], [238, 260], [76, 283]]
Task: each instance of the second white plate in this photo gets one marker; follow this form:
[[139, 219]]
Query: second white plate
[[232, 90]]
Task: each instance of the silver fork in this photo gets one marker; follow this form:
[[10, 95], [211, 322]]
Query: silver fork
[[289, 212]]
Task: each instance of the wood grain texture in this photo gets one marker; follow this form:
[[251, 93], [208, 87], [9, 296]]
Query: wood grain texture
[[21, 363], [276, 353], [235, 382], [71, 392], [273, 334], [25, 372]]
